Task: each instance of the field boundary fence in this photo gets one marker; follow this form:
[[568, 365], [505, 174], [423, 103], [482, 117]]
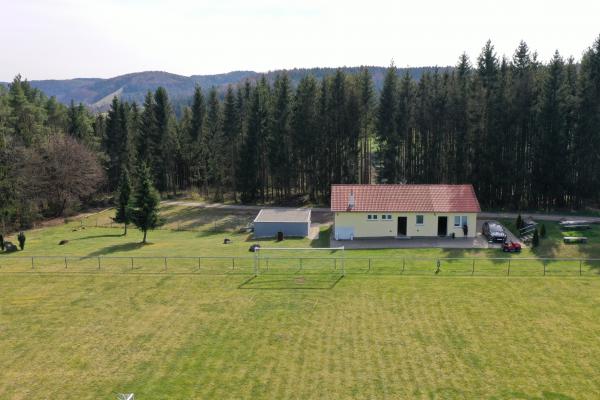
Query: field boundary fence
[[303, 265]]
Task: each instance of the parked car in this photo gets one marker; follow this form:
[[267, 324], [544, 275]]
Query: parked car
[[511, 247], [494, 232]]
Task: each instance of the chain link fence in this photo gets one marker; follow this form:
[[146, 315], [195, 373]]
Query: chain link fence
[[249, 265]]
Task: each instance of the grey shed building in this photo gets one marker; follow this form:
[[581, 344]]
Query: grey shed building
[[269, 221]]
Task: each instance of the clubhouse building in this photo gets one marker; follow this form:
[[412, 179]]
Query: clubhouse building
[[404, 211]]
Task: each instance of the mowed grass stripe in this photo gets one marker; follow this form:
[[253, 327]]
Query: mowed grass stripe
[[87, 336]]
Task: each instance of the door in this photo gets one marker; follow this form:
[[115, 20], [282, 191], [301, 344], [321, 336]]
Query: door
[[442, 226], [402, 226]]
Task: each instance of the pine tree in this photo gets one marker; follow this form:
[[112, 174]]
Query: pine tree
[[305, 137], [364, 83], [123, 206], [215, 145], [163, 144], [113, 141], [279, 137], [145, 143], [535, 240], [145, 207], [387, 131], [231, 135]]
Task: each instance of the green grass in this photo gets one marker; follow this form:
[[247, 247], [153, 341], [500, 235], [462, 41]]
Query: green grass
[[298, 330], [181, 337], [197, 232]]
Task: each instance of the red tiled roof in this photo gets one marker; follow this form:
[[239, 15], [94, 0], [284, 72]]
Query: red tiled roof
[[405, 198]]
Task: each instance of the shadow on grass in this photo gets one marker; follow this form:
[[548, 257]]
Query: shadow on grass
[[97, 237], [118, 248], [290, 282]]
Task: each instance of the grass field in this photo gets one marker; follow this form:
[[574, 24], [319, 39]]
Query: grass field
[[86, 335]]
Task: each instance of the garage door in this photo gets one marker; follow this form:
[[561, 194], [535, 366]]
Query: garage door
[[344, 233]]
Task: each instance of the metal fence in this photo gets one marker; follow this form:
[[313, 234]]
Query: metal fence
[[261, 265]]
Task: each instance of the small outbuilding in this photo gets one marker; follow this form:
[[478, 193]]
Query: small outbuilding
[[270, 221]]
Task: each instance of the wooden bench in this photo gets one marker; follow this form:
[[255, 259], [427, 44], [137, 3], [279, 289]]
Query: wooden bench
[[575, 239]]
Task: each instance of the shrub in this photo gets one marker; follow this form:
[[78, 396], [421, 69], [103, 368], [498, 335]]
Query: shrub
[[535, 241], [543, 231]]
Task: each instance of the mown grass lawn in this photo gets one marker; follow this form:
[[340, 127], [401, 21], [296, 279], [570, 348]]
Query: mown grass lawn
[[86, 333], [180, 337]]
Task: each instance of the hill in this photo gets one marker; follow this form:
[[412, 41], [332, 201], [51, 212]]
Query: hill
[[97, 93]]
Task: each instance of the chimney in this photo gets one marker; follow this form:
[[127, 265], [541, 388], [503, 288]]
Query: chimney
[[351, 200]]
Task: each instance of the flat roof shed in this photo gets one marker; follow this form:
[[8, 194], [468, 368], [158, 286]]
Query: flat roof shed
[[269, 221]]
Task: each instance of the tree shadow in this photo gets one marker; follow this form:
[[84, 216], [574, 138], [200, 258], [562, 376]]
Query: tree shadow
[[118, 248], [97, 237]]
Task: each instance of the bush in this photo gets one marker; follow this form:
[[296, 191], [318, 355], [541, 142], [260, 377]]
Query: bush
[[535, 241], [543, 231]]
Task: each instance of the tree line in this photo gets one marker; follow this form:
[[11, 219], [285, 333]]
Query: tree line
[[525, 133]]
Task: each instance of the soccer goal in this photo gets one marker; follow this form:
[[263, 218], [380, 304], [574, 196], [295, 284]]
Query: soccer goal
[[299, 260]]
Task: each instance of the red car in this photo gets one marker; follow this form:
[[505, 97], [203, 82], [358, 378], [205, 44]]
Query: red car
[[511, 247]]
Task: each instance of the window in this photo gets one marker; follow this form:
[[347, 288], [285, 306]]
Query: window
[[459, 221], [386, 217], [420, 219], [372, 217]]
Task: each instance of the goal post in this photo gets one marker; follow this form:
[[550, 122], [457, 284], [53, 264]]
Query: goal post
[[287, 260]]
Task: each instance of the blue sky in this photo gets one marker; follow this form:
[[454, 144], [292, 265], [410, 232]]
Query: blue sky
[[58, 39]]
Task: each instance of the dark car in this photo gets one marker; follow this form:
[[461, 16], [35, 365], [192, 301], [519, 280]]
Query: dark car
[[494, 232]]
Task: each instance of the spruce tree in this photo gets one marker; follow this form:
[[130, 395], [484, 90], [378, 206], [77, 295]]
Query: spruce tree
[[519, 221], [387, 132], [535, 240], [215, 144], [123, 206], [145, 207], [231, 136]]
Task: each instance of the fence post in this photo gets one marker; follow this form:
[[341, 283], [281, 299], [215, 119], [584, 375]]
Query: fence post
[[369, 265], [544, 264], [65, 262], [165, 263], [580, 267], [335, 264], [473, 268], [199, 263], [98, 263], [232, 262], [508, 271], [403, 262], [31, 262], [131, 262]]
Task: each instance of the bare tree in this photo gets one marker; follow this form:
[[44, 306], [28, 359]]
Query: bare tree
[[58, 172]]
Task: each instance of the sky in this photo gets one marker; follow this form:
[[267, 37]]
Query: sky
[[62, 39]]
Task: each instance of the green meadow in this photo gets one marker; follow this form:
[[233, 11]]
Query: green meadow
[[298, 331]]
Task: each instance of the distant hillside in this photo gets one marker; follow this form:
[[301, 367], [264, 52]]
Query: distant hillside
[[97, 93]]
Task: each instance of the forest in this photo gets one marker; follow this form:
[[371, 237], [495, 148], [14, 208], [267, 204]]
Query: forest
[[524, 132]]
